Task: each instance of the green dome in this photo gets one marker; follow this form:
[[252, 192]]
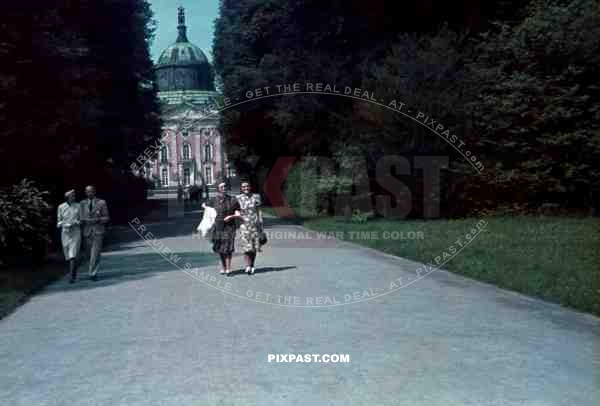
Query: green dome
[[183, 66], [182, 53]]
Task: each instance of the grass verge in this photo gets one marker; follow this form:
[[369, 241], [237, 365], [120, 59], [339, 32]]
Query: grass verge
[[556, 259], [19, 283]]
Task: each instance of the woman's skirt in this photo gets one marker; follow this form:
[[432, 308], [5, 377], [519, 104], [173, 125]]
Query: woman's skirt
[[249, 238], [223, 238], [71, 242]]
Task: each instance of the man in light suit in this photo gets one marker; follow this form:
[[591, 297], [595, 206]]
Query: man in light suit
[[94, 216]]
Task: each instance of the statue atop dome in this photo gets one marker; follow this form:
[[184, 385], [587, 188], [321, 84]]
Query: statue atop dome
[[181, 27]]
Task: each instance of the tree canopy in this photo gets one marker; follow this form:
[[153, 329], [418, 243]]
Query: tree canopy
[[514, 80], [77, 89]]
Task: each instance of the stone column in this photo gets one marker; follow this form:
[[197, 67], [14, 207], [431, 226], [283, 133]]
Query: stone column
[[197, 153], [173, 167]]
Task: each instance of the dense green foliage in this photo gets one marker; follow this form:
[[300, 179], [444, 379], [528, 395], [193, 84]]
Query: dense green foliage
[[77, 105], [77, 102], [514, 81], [536, 118], [24, 222]]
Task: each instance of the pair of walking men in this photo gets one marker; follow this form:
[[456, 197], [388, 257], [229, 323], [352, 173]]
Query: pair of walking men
[[86, 219]]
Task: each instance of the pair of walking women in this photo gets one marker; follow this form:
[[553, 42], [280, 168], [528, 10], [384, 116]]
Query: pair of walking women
[[243, 210]]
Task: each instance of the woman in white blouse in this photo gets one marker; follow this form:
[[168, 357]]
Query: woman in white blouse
[[69, 220]]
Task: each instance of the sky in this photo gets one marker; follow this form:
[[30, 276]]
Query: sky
[[199, 18]]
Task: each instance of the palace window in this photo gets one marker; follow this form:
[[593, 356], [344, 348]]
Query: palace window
[[164, 177], [208, 175], [163, 154], [187, 179], [186, 151], [208, 153], [230, 171]]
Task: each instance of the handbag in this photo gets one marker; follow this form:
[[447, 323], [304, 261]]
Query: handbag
[[262, 236]]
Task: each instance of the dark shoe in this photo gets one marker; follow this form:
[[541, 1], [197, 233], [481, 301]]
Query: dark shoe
[[94, 278], [72, 280]]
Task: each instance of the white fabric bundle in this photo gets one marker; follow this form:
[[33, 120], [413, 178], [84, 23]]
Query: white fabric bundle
[[208, 221]]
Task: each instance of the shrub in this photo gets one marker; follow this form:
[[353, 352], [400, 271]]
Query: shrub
[[301, 189], [24, 222], [359, 217]]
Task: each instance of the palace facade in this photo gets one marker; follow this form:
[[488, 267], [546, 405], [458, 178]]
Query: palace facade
[[194, 153]]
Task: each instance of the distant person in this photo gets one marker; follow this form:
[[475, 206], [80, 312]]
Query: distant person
[[223, 237], [179, 193], [69, 220], [94, 216], [251, 226]]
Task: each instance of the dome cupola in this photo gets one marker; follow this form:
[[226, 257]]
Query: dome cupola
[[183, 66]]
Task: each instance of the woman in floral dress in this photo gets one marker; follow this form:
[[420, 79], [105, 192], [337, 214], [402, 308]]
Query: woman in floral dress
[[251, 225]]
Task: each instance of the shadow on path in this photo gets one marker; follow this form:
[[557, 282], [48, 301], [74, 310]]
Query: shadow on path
[[121, 237], [116, 269], [264, 270], [271, 221], [172, 227], [168, 223]]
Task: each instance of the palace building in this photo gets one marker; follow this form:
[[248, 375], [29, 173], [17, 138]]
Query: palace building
[[194, 153]]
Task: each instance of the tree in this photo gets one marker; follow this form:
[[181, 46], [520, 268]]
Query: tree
[[515, 81], [81, 90], [537, 115]]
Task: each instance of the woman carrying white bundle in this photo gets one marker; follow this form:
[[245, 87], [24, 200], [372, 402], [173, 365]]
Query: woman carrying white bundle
[[208, 221]]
